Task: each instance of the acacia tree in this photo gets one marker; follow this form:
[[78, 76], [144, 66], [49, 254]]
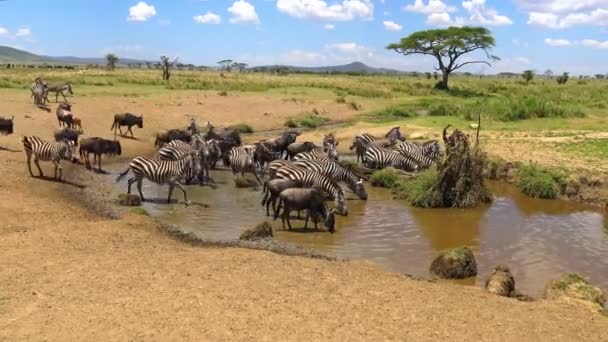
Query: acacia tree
[[166, 65], [226, 64], [240, 66], [528, 75], [447, 46], [111, 61]]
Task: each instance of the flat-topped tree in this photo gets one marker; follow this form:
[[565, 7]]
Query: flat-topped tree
[[447, 46], [226, 64]]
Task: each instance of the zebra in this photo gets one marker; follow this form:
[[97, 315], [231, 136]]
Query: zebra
[[424, 155], [362, 141], [59, 89], [379, 158], [336, 172], [329, 140], [160, 172], [326, 153], [312, 179], [241, 161], [275, 165], [53, 151], [177, 149]]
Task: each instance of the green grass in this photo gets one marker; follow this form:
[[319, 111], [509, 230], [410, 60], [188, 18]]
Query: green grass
[[418, 191], [386, 178], [579, 287], [310, 120], [597, 148], [139, 211], [389, 114], [242, 128], [539, 182]]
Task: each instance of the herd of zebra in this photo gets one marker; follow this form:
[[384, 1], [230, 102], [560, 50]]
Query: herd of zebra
[[40, 90]]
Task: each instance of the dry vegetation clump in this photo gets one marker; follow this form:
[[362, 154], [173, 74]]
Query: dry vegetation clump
[[460, 175], [501, 282], [261, 231], [241, 182], [129, 200], [574, 286], [455, 263]]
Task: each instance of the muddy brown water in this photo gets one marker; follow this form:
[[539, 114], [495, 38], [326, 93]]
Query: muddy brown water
[[538, 239]]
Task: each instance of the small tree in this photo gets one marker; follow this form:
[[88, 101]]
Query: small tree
[[111, 61], [447, 46], [528, 75], [240, 66], [563, 78], [548, 73], [165, 66], [599, 76], [428, 75], [226, 64], [435, 75]]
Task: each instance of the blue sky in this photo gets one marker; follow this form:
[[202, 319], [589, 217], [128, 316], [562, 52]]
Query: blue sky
[[562, 35]]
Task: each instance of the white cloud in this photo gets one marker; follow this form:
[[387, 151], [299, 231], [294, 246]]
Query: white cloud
[[329, 26], [319, 9], [141, 12], [433, 6], [3, 31], [443, 19], [482, 15], [558, 42], [392, 26], [350, 48], [566, 13], [561, 6], [23, 32], [208, 18], [243, 12], [595, 43]]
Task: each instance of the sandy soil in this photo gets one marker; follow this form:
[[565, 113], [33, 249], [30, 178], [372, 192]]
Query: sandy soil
[[69, 272]]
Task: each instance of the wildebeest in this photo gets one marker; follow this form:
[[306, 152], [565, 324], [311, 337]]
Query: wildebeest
[[311, 200], [6, 125], [98, 147], [129, 120], [279, 144], [295, 148], [64, 115], [272, 189], [166, 137], [67, 133]]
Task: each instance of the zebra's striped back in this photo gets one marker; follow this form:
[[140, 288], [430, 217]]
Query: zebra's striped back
[[48, 150], [312, 179], [336, 172], [241, 159], [424, 155], [379, 158], [275, 165], [328, 153], [162, 171], [175, 150]]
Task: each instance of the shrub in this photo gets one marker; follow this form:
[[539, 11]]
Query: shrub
[[340, 99], [223, 93], [443, 109], [386, 178], [291, 123], [242, 128], [418, 191], [575, 286], [139, 211], [312, 121], [539, 182], [391, 113]]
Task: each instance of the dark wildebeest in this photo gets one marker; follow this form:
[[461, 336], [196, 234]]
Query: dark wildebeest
[[311, 200], [279, 144], [129, 120], [272, 189], [67, 133], [6, 125], [166, 137], [295, 148], [98, 147], [64, 115]]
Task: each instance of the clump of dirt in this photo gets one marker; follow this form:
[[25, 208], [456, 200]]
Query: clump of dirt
[[261, 231], [460, 182], [455, 263], [241, 182], [501, 282], [575, 286], [129, 200]]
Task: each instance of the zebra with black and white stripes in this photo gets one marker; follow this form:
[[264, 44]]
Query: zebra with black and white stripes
[[59, 89], [312, 179], [53, 151], [379, 158], [424, 155], [363, 141], [327, 153], [241, 161], [275, 165], [336, 172], [160, 172]]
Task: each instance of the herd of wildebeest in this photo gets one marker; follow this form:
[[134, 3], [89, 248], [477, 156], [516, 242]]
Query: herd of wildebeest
[[301, 175]]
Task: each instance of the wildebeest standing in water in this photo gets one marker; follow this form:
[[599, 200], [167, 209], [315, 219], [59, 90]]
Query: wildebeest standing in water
[[6, 125], [129, 120], [166, 137], [98, 147]]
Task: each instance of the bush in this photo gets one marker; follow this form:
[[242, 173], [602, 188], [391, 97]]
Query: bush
[[391, 113], [418, 191], [291, 123], [312, 121], [386, 178], [242, 128], [340, 99], [223, 93], [443, 110], [539, 182], [575, 286]]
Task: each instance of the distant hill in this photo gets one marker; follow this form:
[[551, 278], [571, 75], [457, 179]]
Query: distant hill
[[355, 67], [12, 55]]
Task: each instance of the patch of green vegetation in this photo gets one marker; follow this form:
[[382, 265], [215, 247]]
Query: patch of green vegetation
[[348, 164], [389, 114], [291, 123], [578, 287], [455, 253], [444, 109], [242, 128], [310, 120], [386, 178], [223, 93], [539, 182], [340, 99], [139, 211], [597, 148], [418, 190]]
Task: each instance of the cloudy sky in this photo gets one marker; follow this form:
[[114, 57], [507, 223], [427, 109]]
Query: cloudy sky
[[562, 35]]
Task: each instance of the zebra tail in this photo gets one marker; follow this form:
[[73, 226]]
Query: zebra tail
[[122, 175]]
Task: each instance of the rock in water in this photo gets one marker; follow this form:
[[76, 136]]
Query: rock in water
[[129, 200], [241, 182], [575, 286], [261, 231], [455, 263], [501, 282]]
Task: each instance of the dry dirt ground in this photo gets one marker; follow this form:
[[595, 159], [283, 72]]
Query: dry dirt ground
[[70, 273]]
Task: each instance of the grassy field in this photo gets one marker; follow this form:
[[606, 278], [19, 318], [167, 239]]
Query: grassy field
[[542, 121]]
